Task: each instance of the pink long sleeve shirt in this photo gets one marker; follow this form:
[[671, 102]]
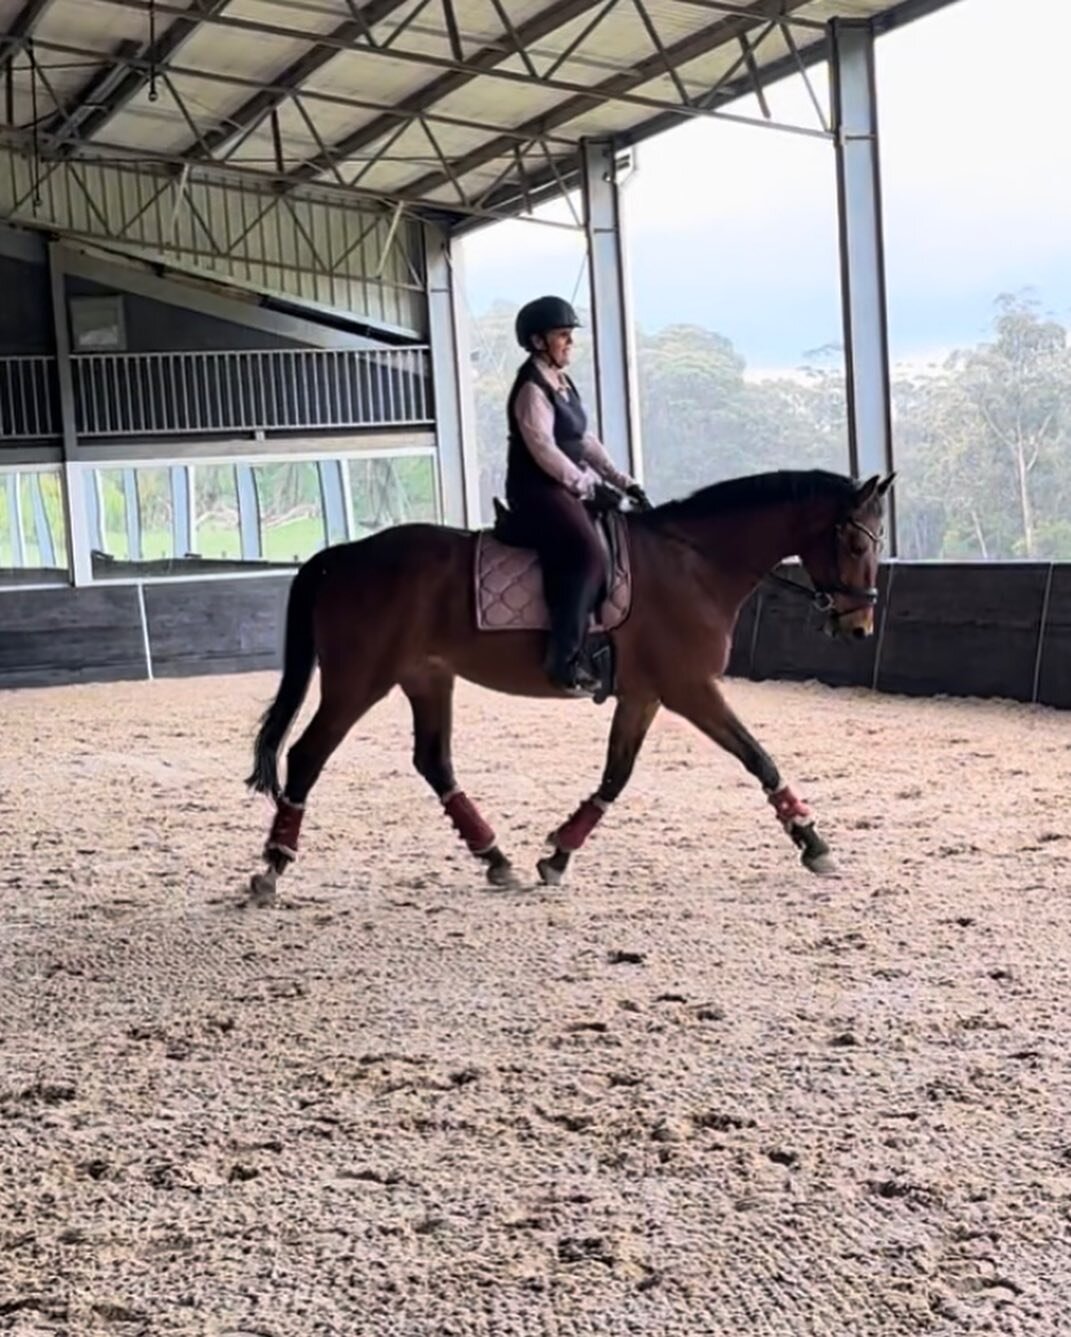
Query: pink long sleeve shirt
[[535, 418]]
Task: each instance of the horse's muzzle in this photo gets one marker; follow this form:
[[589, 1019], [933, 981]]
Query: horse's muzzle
[[855, 625]]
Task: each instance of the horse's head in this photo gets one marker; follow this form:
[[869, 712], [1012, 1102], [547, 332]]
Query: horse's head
[[842, 561]]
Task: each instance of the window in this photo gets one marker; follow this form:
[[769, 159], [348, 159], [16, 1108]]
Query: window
[[97, 324]]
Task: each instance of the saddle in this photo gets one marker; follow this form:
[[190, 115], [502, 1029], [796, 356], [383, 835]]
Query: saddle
[[509, 587]]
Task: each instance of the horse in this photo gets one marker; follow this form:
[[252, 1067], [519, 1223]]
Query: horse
[[396, 609]]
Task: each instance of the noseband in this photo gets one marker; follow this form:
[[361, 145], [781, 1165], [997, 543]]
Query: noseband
[[822, 596]]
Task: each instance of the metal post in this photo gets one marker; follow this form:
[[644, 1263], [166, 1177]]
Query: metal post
[[451, 372], [132, 510], [42, 529], [602, 174], [333, 500], [248, 513], [862, 256], [182, 517], [76, 512], [14, 511]]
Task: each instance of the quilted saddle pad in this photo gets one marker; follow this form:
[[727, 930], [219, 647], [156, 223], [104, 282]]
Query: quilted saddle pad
[[509, 587]]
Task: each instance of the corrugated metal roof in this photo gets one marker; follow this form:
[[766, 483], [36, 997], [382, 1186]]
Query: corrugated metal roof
[[466, 105]]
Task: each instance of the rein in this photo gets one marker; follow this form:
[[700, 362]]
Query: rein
[[820, 596]]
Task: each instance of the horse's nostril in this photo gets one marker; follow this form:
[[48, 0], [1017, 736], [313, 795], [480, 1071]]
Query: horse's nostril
[[859, 633]]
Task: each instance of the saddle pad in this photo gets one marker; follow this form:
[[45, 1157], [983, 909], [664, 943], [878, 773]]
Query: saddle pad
[[509, 588]]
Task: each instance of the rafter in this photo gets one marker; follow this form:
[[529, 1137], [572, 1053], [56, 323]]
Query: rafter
[[122, 157], [101, 101], [618, 88], [117, 63], [542, 186], [723, 29], [481, 62], [299, 72], [27, 19]]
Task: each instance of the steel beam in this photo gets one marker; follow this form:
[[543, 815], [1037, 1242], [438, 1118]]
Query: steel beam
[[617, 88], [14, 519], [862, 258], [611, 306], [481, 62], [333, 500], [248, 513], [183, 515], [75, 473], [455, 410], [620, 87], [296, 74], [42, 529], [132, 514], [27, 19], [111, 97]]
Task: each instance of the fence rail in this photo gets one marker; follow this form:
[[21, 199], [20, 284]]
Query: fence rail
[[28, 410], [153, 394], [196, 393]]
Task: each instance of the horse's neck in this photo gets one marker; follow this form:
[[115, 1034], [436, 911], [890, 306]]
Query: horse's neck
[[743, 546]]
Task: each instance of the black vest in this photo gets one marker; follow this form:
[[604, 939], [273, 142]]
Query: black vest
[[570, 424]]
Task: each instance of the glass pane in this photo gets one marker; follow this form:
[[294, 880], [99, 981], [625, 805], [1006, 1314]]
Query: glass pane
[[112, 502], [392, 491], [156, 507], [215, 492], [979, 315], [291, 510], [33, 531]]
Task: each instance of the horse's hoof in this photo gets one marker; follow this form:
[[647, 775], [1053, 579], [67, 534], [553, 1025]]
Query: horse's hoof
[[504, 877], [823, 865], [262, 888], [548, 874]]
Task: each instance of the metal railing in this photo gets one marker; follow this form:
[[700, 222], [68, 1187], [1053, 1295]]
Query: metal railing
[[155, 394], [28, 408]]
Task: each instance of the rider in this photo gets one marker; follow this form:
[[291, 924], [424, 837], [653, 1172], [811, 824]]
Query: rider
[[555, 464]]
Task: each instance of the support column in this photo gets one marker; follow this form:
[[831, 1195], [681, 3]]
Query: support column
[[42, 529], [76, 474], [337, 521], [611, 305], [183, 521], [248, 513], [451, 374], [862, 254]]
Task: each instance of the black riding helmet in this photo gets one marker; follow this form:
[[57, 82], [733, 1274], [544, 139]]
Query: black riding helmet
[[545, 313]]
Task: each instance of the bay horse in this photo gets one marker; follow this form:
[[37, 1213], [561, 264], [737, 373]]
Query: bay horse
[[396, 609]]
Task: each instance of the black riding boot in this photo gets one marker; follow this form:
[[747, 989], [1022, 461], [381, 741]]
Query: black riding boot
[[569, 625]]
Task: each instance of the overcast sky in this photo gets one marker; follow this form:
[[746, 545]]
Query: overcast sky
[[734, 227]]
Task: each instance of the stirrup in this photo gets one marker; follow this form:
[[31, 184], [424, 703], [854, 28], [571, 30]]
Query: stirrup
[[574, 679]]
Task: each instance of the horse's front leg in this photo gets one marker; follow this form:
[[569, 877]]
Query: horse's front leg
[[705, 707], [632, 719]]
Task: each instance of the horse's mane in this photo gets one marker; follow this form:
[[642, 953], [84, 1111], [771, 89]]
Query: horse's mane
[[755, 490]]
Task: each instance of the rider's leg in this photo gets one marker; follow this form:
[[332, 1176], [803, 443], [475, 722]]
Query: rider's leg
[[574, 576]]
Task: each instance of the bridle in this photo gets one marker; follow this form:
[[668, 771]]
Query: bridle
[[821, 596]]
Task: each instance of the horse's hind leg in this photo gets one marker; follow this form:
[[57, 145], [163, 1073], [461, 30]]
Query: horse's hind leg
[[306, 759], [431, 695], [632, 719]]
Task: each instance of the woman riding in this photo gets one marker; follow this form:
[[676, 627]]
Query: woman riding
[[555, 464]]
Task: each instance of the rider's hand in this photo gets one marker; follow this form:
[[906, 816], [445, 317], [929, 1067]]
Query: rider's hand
[[605, 498], [636, 494]]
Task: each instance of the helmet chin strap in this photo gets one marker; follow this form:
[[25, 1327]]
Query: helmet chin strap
[[545, 353]]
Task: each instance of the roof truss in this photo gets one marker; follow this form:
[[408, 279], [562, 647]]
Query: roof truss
[[432, 148]]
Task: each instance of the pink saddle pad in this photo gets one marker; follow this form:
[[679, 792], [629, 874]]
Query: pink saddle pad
[[509, 588]]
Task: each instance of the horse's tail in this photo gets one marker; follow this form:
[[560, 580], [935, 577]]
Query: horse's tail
[[299, 659]]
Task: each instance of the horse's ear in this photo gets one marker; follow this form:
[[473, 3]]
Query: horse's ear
[[886, 483], [867, 491]]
